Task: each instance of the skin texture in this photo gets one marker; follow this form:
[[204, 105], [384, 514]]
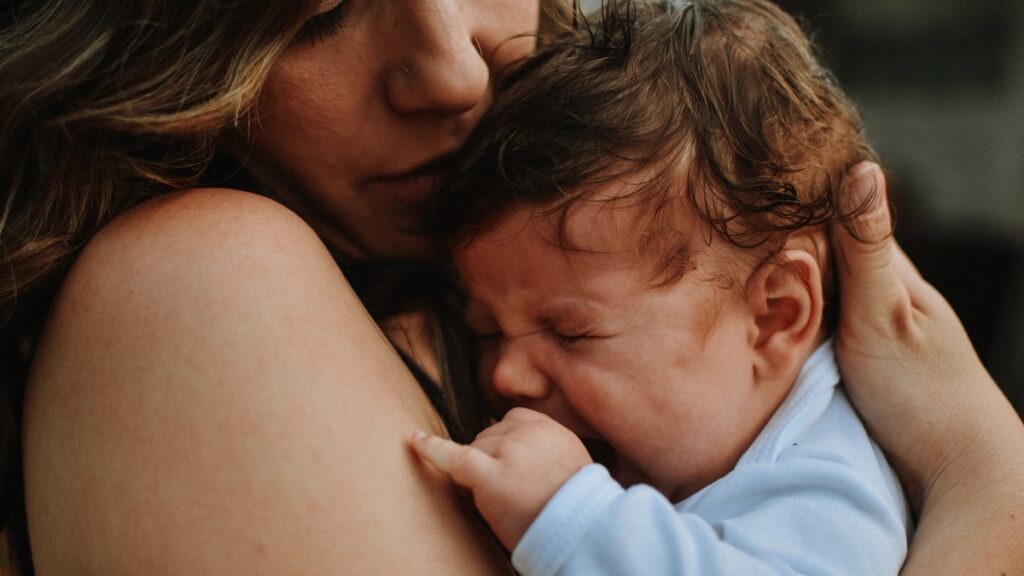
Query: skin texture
[[678, 380], [343, 120], [211, 396]]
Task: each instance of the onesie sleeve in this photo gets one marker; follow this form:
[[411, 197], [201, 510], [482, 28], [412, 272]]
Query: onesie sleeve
[[810, 517]]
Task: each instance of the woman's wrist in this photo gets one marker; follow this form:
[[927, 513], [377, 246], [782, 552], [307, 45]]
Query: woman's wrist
[[975, 500]]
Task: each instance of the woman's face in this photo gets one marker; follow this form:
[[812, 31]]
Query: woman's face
[[357, 119]]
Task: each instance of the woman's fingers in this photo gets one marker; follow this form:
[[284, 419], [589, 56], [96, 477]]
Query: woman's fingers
[[864, 249], [871, 280], [875, 275], [467, 465], [864, 256]]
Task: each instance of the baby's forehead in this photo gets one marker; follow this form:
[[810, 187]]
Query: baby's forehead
[[631, 219], [602, 222], [608, 227]]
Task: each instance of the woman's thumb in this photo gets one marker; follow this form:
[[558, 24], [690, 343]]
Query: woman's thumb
[[864, 246]]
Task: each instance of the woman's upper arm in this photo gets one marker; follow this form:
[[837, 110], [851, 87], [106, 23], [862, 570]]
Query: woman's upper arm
[[210, 397]]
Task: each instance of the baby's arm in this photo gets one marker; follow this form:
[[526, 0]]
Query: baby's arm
[[513, 467], [810, 519], [529, 479]]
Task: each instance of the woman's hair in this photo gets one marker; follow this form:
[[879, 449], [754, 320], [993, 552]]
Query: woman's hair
[[103, 104], [715, 106]]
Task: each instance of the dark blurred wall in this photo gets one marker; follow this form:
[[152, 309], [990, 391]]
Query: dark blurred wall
[[940, 84]]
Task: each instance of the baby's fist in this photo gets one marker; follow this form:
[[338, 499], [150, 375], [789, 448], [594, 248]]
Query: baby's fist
[[513, 467]]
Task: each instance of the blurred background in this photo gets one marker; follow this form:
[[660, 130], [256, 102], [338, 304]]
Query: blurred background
[[940, 84]]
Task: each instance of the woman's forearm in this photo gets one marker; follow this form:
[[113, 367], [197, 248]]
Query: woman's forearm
[[972, 514]]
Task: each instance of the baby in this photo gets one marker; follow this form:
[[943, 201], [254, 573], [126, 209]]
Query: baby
[[643, 219]]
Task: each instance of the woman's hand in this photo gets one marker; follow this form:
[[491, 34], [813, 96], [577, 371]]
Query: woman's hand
[[913, 374]]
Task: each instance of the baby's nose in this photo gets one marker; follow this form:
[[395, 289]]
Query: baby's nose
[[517, 378]]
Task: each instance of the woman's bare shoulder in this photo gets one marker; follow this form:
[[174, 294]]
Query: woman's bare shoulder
[[209, 396], [192, 266], [204, 222]]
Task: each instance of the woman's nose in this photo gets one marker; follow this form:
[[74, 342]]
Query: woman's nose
[[515, 377], [442, 68]]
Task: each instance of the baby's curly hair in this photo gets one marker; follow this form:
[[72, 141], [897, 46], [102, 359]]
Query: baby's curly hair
[[715, 105]]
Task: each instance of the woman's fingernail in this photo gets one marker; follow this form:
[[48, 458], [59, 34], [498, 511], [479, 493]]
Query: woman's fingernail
[[865, 186]]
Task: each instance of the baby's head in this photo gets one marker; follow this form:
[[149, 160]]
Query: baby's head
[[641, 229]]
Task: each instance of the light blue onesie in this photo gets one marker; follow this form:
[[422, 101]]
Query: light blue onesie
[[812, 495]]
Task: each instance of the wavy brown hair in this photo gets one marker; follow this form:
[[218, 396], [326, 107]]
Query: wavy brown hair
[[108, 102], [103, 104]]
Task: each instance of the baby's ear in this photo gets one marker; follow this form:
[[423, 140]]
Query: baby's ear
[[785, 296]]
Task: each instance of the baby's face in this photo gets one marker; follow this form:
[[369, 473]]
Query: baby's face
[[661, 376]]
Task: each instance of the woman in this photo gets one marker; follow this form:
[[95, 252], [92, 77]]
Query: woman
[[208, 394]]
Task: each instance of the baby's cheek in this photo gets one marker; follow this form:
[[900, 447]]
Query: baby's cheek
[[562, 410]]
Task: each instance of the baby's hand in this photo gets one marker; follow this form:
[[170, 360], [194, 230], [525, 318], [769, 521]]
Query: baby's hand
[[513, 467]]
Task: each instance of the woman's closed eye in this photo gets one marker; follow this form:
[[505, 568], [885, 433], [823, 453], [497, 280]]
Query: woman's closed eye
[[323, 24]]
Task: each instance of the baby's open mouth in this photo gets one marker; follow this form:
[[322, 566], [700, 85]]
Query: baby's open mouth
[[600, 451]]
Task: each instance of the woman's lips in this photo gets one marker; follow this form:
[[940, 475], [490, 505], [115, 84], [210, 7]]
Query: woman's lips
[[416, 188], [418, 184]]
